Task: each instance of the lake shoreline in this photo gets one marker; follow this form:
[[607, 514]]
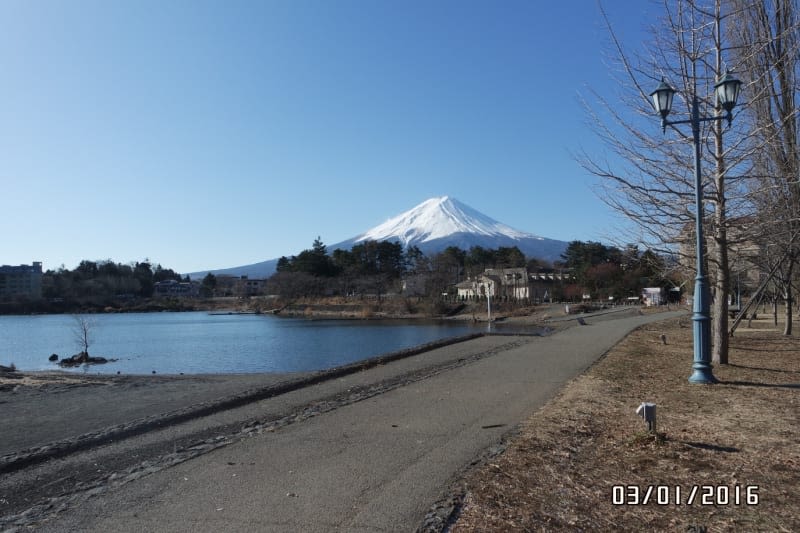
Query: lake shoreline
[[388, 307], [199, 342], [145, 414], [91, 409]]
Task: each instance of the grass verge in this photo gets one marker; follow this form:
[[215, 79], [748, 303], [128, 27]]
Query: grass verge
[[585, 461]]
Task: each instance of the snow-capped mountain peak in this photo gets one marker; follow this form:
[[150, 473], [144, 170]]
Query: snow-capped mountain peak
[[437, 218], [432, 226]]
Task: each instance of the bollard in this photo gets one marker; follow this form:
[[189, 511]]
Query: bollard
[[648, 411]]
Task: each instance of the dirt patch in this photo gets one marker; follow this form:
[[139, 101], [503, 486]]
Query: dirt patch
[[579, 462]]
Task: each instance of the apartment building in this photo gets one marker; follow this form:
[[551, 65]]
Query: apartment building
[[23, 281]]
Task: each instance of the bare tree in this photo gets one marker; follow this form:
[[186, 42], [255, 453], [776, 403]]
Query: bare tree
[[82, 333], [767, 35], [651, 183]]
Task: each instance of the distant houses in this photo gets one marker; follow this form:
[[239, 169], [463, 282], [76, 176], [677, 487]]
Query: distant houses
[[226, 286], [512, 284], [245, 286], [25, 282], [22, 281], [175, 288]]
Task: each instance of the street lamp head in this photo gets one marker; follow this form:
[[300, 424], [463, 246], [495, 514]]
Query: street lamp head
[[727, 89], [662, 98]]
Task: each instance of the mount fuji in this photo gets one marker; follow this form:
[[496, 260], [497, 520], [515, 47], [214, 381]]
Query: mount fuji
[[432, 226], [440, 222]]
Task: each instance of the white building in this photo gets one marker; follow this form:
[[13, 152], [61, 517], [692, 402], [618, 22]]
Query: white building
[[653, 296], [509, 283]]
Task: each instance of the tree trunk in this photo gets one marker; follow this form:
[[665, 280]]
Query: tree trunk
[[719, 255], [787, 326], [719, 314], [775, 311]]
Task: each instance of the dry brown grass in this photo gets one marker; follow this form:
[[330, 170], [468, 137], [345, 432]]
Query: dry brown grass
[[559, 474]]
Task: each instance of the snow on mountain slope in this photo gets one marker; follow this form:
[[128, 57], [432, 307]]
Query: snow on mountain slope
[[437, 218], [438, 223], [432, 226]]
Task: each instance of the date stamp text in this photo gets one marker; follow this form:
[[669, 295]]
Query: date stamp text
[[677, 495]]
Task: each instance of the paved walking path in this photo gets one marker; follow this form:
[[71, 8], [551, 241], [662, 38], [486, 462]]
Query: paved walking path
[[373, 465]]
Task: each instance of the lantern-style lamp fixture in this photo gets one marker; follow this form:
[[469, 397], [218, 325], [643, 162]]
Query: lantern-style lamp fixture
[[662, 98], [727, 89]]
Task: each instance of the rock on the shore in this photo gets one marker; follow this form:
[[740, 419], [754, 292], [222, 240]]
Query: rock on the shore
[[81, 358]]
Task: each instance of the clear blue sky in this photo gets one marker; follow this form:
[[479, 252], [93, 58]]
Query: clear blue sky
[[207, 134]]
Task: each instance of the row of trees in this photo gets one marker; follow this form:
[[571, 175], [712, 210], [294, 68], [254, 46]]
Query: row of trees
[[606, 271], [374, 268], [751, 188], [104, 282], [366, 259], [378, 267], [389, 259], [369, 267]]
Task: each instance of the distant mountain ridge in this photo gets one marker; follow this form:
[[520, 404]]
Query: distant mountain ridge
[[432, 226]]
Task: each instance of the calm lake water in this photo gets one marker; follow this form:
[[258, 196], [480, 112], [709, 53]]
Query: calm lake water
[[196, 343]]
